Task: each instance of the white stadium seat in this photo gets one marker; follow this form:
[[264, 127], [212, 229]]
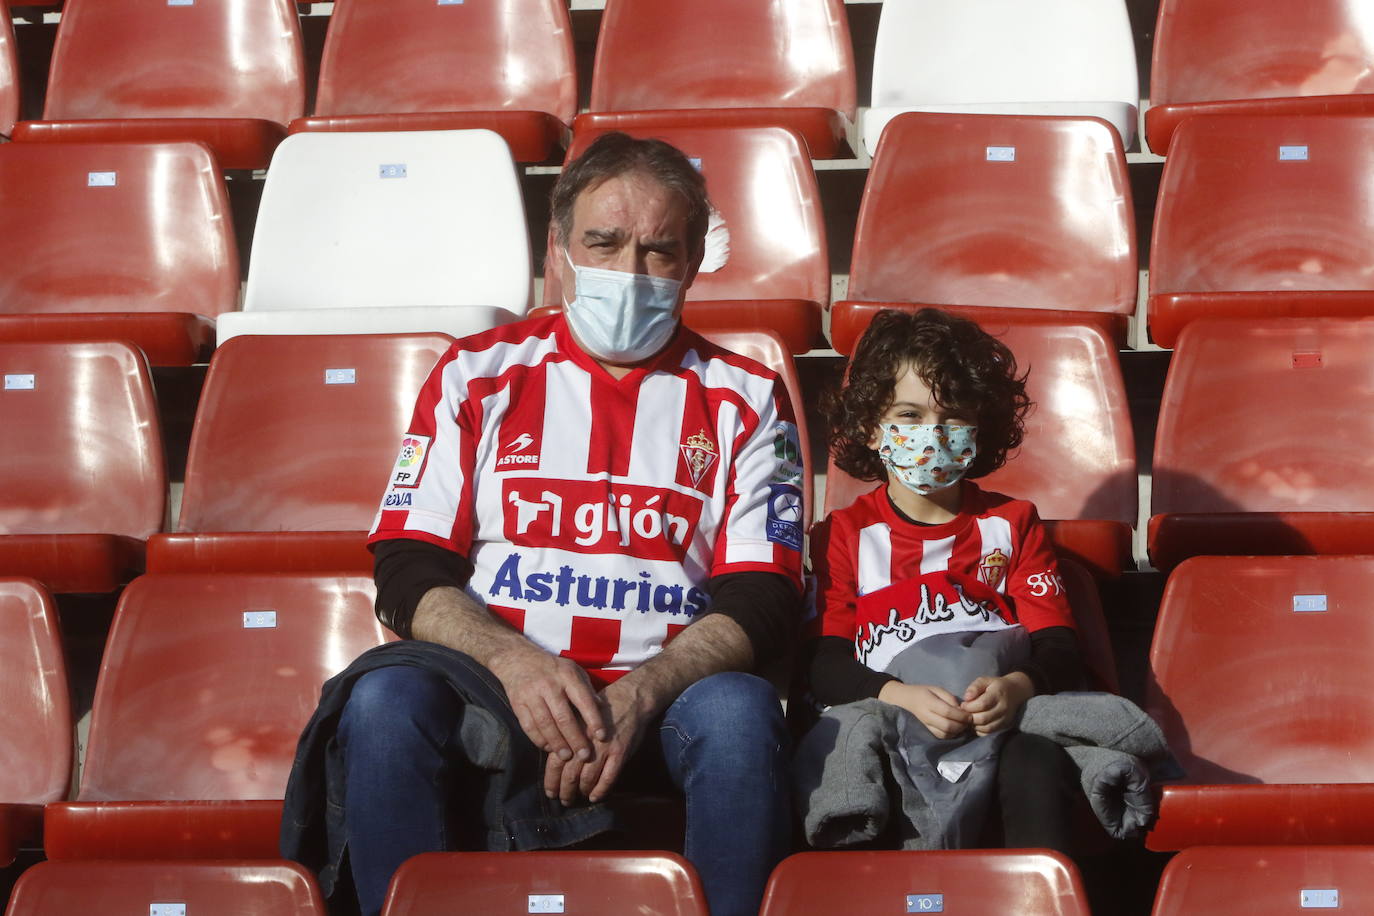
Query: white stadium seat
[[1052, 57], [387, 232]]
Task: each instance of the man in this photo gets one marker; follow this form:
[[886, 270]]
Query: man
[[573, 492]]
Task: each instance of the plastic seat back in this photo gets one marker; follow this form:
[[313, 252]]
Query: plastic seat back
[[767, 348], [83, 445], [1055, 57], [1260, 670], [299, 433], [1266, 880], [727, 54], [1009, 212], [1263, 216], [383, 56], [1266, 56], [609, 883], [36, 742], [985, 882], [1263, 431], [208, 679], [177, 59], [115, 227], [1077, 460], [722, 54], [1094, 637], [9, 78], [768, 265], [221, 888], [379, 221]]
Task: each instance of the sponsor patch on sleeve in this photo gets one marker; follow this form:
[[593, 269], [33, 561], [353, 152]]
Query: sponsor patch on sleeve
[[787, 452], [785, 515], [410, 462]]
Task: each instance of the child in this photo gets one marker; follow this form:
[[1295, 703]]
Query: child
[[926, 572]]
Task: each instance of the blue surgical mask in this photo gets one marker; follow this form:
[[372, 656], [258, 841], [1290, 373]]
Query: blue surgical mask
[[927, 457], [621, 317]]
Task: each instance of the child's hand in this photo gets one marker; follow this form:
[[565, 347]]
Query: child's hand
[[938, 709], [992, 702]]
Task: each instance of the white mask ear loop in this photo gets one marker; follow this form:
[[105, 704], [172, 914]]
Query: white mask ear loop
[[567, 301]]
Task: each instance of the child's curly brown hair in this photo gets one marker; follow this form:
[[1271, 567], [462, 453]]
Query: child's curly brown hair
[[965, 368]]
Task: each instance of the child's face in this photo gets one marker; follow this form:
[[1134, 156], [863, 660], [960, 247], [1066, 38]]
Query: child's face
[[912, 402]]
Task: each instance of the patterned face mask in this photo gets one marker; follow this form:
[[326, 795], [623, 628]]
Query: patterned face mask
[[927, 457]]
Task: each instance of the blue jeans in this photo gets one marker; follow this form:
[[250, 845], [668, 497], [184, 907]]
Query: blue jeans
[[723, 744]]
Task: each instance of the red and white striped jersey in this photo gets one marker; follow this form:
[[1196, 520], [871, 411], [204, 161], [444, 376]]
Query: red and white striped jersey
[[886, 582], [595, 510]]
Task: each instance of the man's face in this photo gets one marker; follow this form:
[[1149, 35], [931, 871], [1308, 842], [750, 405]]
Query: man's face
[[631, 223]]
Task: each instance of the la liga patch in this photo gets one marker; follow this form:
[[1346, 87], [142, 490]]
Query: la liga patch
[[410, 462], [785, 512]]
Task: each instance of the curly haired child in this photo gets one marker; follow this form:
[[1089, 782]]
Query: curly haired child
[[919, 576]]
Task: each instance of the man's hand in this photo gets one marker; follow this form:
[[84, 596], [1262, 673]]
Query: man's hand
[[994, 701], [593, 777], [937, 708], [552, 698]]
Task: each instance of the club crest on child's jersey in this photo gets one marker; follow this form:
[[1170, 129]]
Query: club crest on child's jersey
[[993, 569], [700, 453]]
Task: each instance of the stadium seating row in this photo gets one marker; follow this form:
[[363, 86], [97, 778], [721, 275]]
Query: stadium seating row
[[607, 883], [205, 684], [1260, 881], [389, 65], [287, 460], [294, 433], [1018, 219], [207, 679], [1256, 881]]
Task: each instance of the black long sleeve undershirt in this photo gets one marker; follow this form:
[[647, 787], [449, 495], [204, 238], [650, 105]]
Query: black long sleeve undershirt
[[838, 677], [765, 605], [404, 569]]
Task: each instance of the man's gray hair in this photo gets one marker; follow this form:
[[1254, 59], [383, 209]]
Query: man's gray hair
[[614, 154]]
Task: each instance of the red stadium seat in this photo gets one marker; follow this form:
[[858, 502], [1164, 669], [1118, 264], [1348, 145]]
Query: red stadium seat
[[1020, 214], [1262, 684], [1094, 639], [1264, 429], [9, 78], [292, 444], [767, 348], [205, 685], [605, 883], [116, 241], [983, 882], [1216, 57], [1263, 217], [228, 73], [727, 63], [776, 271], [214, 888], [1266, 880], [1077, 463], [84, 479], [418, 65], [36, 742]]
